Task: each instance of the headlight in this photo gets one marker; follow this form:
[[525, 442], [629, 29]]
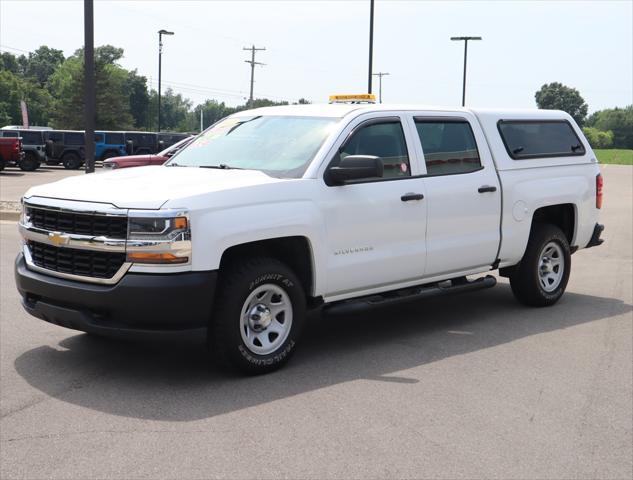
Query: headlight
[[160, 237], [156, 228]]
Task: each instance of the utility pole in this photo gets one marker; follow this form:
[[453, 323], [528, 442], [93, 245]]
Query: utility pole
[[160, 57], [380, 75], [252, 61], [89, 86], [465, 40], [371, 43]]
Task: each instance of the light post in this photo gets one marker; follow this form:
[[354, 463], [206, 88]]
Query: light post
[[160, 55], [89, 86], [371, 43], [465, 40], [380, 75]]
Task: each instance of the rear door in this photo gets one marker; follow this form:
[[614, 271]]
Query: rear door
[[462, 193]]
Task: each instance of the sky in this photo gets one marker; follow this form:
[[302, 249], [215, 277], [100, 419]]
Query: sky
[[318, 48]]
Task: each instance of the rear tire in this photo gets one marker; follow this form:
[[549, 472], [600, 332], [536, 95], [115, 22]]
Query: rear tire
[[541, 277], [30, 162], [259, 316], [71, 161]]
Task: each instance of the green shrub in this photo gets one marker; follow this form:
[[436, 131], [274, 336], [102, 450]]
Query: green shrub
[[598, 138]]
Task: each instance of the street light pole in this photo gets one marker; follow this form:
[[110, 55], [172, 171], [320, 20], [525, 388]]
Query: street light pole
[[465, 40], [160, 58], [89, 87], [371, 43], [380, 75]]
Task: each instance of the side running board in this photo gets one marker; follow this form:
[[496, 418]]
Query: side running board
[[458, 285]]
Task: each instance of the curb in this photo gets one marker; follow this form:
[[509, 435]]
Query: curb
[[9, 215]]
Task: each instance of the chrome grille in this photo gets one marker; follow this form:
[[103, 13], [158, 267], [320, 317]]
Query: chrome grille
[[86, 263], [78, 223]]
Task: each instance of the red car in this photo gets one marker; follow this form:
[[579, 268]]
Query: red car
[[10, 151], [149, 159]]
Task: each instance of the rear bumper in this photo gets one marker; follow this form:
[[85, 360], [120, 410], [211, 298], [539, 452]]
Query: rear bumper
[[595, 237], [138, 306]]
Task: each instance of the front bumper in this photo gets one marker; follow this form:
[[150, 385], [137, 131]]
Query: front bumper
[[138, 306]]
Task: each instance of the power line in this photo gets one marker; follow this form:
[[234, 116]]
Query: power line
[[252, 61]]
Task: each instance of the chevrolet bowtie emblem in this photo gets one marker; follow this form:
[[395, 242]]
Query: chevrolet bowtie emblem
[[58, 239]]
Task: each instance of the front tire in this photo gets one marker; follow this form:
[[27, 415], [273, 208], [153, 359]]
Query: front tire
[[259, 316], [541, 277]]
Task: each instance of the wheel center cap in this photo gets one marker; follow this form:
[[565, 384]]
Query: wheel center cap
[[546, 266], [259, 317]]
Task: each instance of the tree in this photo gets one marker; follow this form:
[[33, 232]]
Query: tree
[[112, 95], [617, 120], [136, 87], [13, 89], [556, 96], [598, 138], [175, 111], [42, 63]]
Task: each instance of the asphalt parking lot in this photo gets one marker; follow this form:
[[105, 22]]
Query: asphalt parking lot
[[472, 386]]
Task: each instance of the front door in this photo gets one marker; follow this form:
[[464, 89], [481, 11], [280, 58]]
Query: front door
[[375, 228]]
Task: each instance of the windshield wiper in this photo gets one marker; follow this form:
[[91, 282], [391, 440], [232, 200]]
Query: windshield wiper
[[222, 166]]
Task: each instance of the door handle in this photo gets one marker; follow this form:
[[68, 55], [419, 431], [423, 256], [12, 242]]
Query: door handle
[[407, 197], [487, 188]]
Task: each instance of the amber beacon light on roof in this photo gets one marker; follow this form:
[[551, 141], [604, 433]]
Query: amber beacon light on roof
[[357, 98]]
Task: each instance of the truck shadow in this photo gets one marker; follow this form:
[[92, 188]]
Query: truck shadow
[[170, 382]]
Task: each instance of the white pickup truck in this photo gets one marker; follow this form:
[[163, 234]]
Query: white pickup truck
[[274, 211]]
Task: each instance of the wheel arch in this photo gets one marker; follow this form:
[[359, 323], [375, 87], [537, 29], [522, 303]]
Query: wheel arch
[[294, 251], [563, 216]]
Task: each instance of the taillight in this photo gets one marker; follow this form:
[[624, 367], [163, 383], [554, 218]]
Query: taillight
[[599, 188]]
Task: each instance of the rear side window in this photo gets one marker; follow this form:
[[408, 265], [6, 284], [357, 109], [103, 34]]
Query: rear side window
[[74, 138], [525, 139], [449, 146], [114, 139], [384, 140], [9, 133]]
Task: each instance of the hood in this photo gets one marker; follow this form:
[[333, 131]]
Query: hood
[[147, 156], [148, 187]]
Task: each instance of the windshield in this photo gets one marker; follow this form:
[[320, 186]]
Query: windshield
[[276, 145]]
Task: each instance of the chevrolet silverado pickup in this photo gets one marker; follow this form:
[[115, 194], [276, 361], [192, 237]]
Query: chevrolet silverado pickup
[[274, 211]]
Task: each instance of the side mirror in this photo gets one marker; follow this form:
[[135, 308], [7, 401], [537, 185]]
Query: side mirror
[[129, 147], [355, 167]]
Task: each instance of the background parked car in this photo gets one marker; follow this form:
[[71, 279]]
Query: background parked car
[[148, 159], [33, 145], [65, 146], [10, 151]]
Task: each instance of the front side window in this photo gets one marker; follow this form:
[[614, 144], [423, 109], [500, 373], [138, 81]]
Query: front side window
[[31, 137], [280, 146], [384, 140], [55, 136], [449, 146], [526, 139]]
